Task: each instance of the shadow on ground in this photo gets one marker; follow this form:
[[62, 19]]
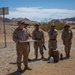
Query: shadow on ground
[[15, 73]]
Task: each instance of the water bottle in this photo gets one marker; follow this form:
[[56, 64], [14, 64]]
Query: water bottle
[[51, 60]]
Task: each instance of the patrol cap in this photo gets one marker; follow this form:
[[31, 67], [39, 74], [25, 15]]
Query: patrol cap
[[26, 23], [52, 25], [37, 24], [67, 25], [20, 21]]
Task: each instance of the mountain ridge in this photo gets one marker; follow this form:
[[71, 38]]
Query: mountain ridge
[[31, 22], [14, 20]]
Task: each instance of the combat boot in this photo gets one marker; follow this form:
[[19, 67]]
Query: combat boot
[[67, 56], [19, 69], [27, 68], [42, 57]]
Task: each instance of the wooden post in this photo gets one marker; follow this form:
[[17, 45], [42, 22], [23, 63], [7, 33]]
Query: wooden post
[[4, 26]]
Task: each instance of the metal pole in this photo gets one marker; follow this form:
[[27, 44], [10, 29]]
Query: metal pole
[[4, 26]]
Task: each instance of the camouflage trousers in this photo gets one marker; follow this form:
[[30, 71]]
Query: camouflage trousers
[[39, 45], [52, 44], [67, 47], [22, 50]]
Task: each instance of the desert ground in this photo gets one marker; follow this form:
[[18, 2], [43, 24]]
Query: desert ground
[[39, 67]]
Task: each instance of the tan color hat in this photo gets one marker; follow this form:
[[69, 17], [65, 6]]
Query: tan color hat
[[52, 25], [66, 25]]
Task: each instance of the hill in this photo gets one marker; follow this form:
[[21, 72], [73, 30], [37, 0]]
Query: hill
[[70, 20], [13, 21]]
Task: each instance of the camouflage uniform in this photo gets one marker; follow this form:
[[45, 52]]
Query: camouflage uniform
[[39, 36], [66, 37], [21, 48], [52, 40]]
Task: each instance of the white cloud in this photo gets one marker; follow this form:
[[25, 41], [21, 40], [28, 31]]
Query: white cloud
[[40, 13]]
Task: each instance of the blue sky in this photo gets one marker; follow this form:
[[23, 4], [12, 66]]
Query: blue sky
[[39, 10]]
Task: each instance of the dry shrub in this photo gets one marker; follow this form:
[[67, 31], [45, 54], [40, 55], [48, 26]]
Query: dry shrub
[[46, 26]]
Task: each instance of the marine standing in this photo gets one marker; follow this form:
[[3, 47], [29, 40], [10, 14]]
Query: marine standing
[[38, 35], [20, 34], [67, 36], [52, 32]]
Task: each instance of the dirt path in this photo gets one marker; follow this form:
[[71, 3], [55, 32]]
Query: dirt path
[[40, 67]]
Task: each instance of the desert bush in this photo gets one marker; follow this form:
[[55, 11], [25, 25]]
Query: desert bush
[[59, 25], [44, 26]]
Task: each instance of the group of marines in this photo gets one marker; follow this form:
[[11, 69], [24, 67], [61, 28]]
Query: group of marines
[[22, 34]]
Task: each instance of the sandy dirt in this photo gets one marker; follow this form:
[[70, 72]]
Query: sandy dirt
[[39, 67]]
